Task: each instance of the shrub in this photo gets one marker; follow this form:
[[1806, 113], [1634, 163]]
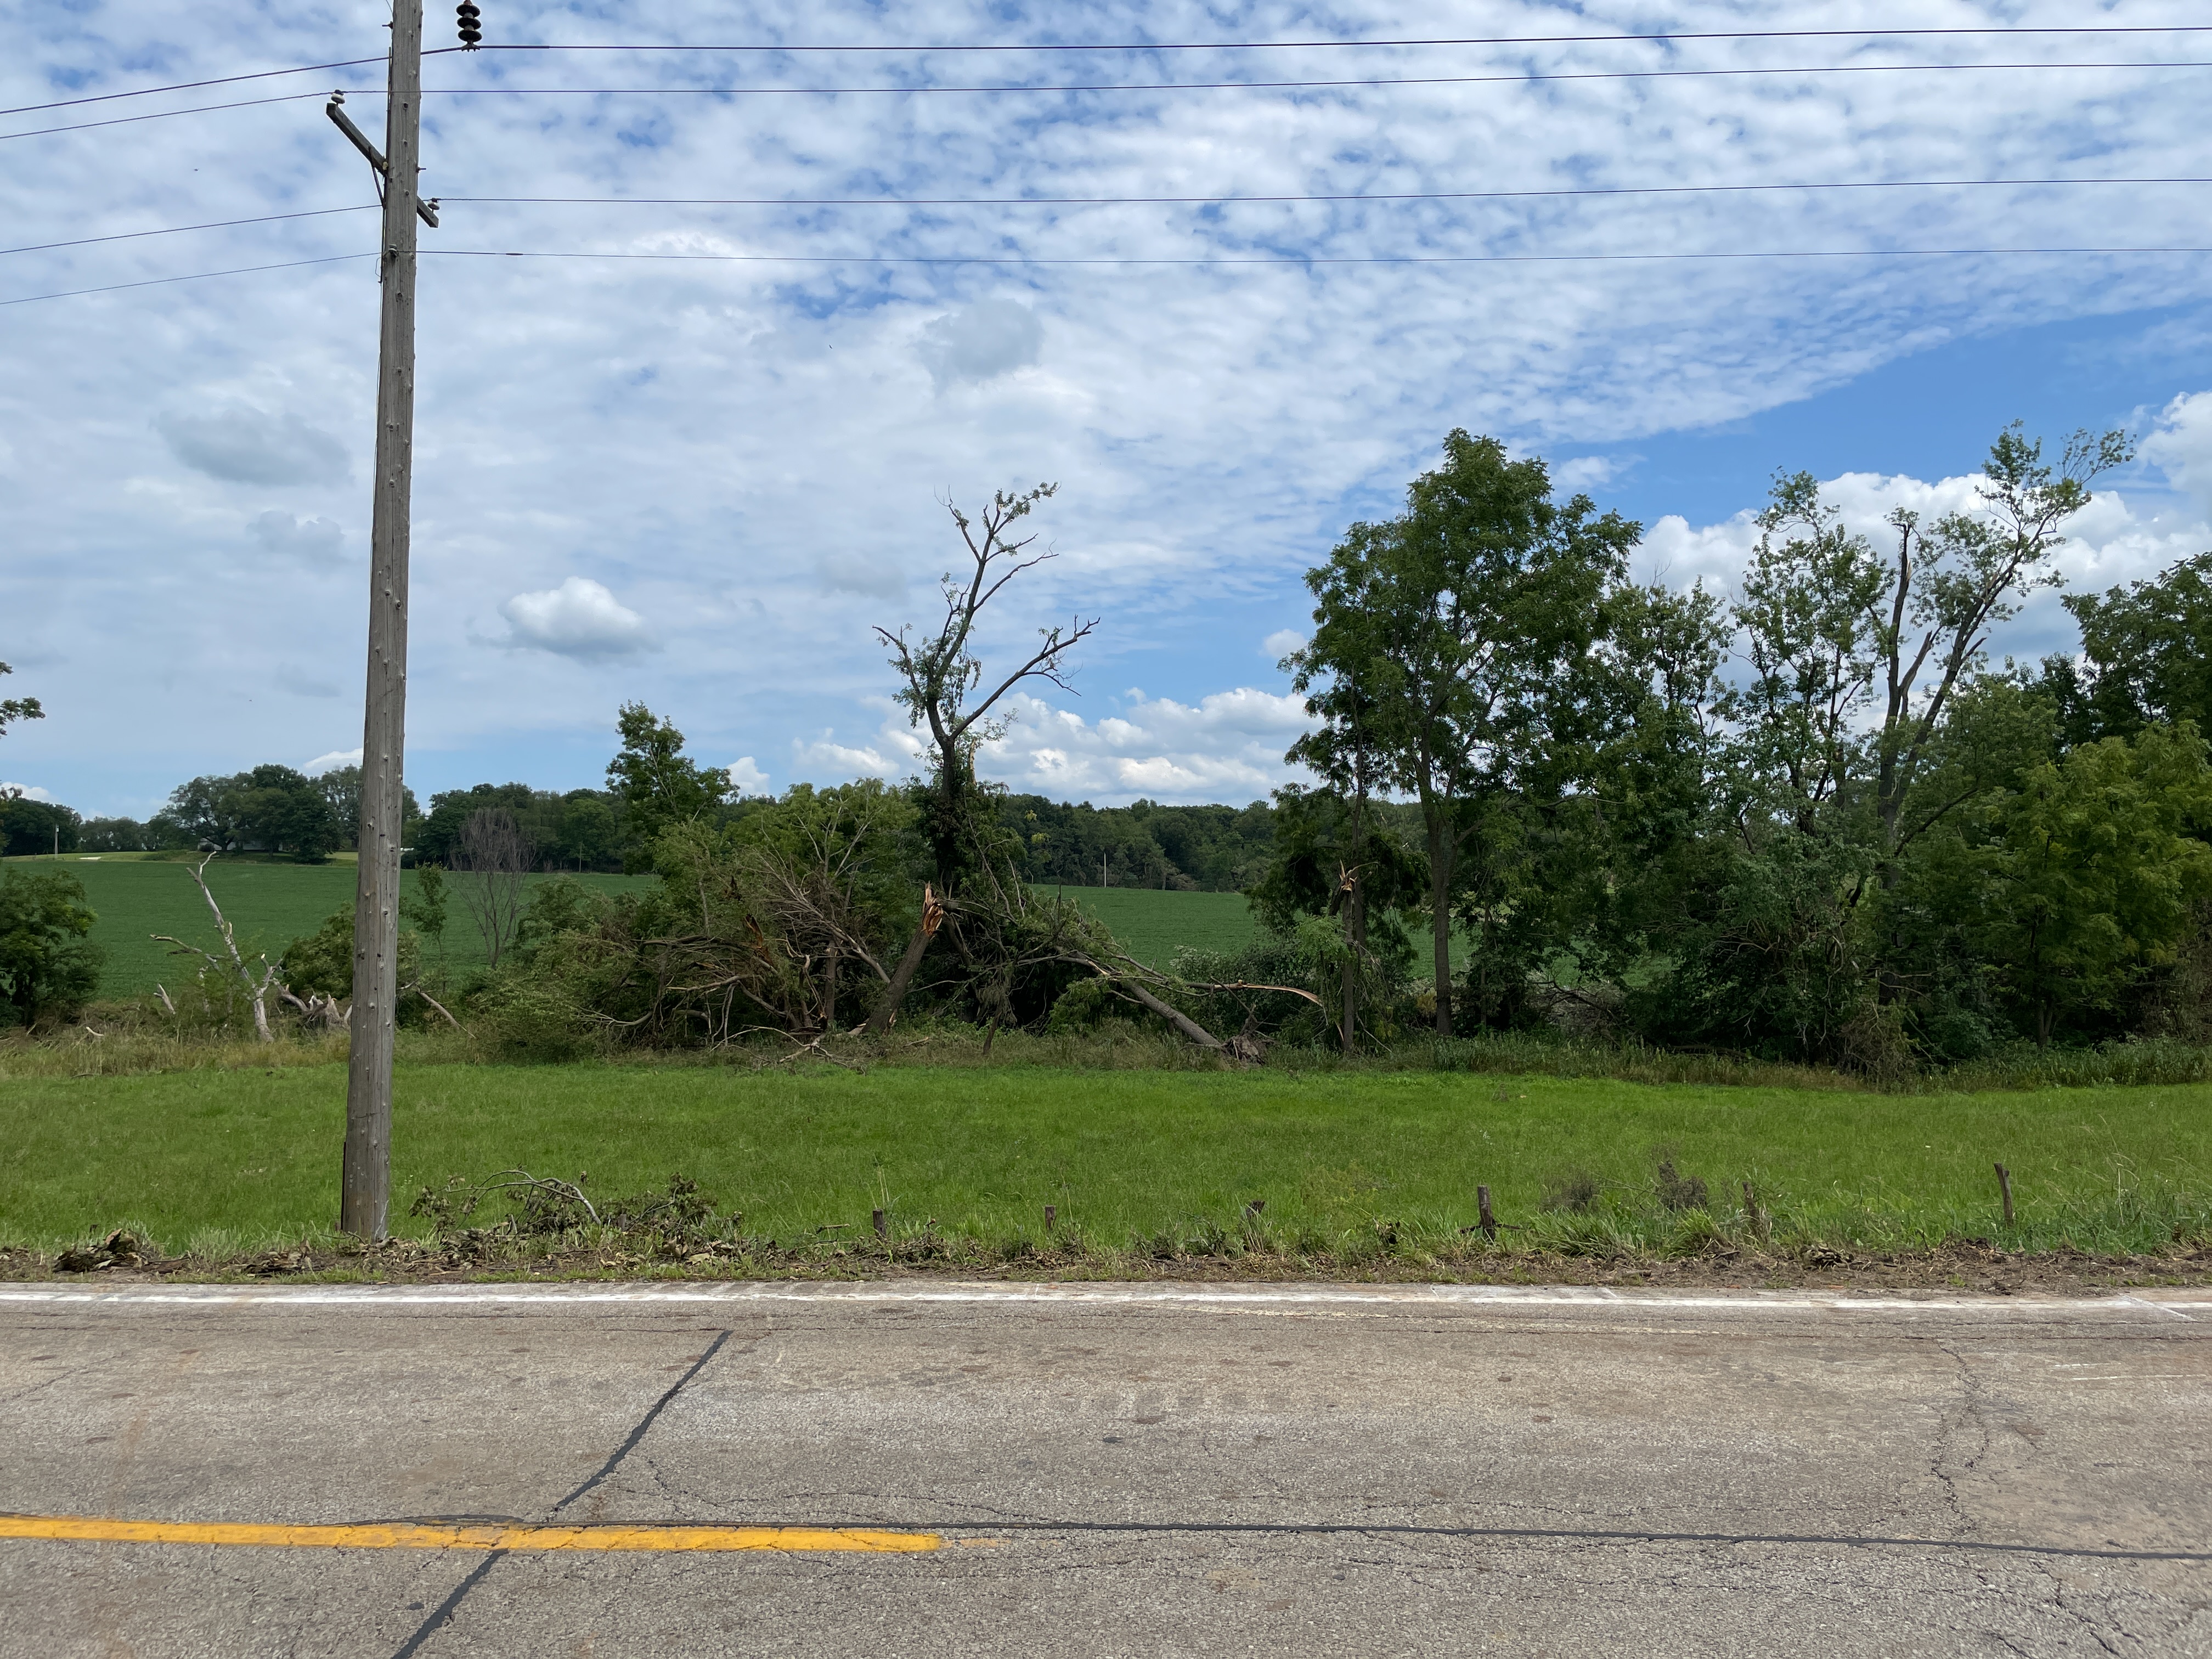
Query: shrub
[[322, 962], [48, 968]]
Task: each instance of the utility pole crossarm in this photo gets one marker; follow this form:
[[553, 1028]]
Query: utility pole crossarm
[[427, 210]]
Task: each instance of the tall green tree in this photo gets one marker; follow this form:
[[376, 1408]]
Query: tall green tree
[[2090, 873], [1473, 614], [1856, 655], [658, 783], [275, 809], [2147, 651]]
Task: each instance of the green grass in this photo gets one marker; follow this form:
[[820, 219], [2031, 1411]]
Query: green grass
[[199, 1158], [270, 905], [1152, 925]]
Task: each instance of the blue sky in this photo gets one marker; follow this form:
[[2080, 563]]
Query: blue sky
[[700, 481]]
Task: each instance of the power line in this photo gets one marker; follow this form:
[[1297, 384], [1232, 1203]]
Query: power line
[[2000, 30], [1294, 86], [163, 115], [1286, 259], [179, 230], [1117, 261], [1115, 201], [195, 277], [190, 86], [1230, 201], [1531, 78]]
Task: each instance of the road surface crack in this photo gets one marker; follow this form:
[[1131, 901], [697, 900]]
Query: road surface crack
[[446, 1609]]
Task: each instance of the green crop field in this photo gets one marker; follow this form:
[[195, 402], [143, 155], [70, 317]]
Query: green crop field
[[253, 1155], [1152, 925], [269, 904]]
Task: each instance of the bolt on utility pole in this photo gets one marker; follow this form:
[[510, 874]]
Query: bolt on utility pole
[[366, 1195]]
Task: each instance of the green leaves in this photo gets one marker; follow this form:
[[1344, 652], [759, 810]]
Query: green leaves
[[17, 708], [2149, 651], [2089, 874], [48, 968], [658, 784]]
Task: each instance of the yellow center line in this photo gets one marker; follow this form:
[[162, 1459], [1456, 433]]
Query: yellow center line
[[496, 1536]]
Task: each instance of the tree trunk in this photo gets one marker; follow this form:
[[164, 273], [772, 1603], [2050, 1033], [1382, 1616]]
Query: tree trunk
[[1442, 847], [887, 1007], [1355, 934], [1182, 1022]]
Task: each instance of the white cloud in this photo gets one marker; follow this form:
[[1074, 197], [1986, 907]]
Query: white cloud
[[580, 619], [312, 541], [1585, 472], [2180, 445], [1281, 643], [244, 445], [2108, 543], [336, 758], [28, 790], [746, 777], [1227, 746], [982, 341], [714, 427], [895, 753]]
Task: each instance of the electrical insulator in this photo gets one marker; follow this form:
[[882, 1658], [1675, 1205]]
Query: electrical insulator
[[471, 22]]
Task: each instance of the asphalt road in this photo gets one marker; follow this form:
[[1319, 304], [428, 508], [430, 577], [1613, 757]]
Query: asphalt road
[[1090, 1470]]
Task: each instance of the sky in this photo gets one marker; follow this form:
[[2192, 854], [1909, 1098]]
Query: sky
[[694, 454]]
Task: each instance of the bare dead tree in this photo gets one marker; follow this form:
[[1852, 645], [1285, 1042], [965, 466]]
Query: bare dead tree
[[491, 860], [233, 963], [944, 689]]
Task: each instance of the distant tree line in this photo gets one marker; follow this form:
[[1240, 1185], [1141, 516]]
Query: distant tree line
[[1213, 849]]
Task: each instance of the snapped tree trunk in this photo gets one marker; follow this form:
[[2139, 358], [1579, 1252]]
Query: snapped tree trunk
[[1175, 1016], [887, 1007]]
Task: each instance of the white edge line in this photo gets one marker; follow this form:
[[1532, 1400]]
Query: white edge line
[[406, 1295], [2162, 1307]]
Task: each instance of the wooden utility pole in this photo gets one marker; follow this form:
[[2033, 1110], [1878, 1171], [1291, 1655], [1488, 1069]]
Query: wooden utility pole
[[366, 1195]]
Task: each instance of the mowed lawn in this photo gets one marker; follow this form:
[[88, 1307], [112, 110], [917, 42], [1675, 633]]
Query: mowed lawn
[[269, 905], [1125, 1155]]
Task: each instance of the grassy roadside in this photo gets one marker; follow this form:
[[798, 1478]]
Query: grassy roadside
[[1348, 1165]]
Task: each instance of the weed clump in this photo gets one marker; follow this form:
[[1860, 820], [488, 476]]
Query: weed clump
[[1573, 1193], [1677, 1191]]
